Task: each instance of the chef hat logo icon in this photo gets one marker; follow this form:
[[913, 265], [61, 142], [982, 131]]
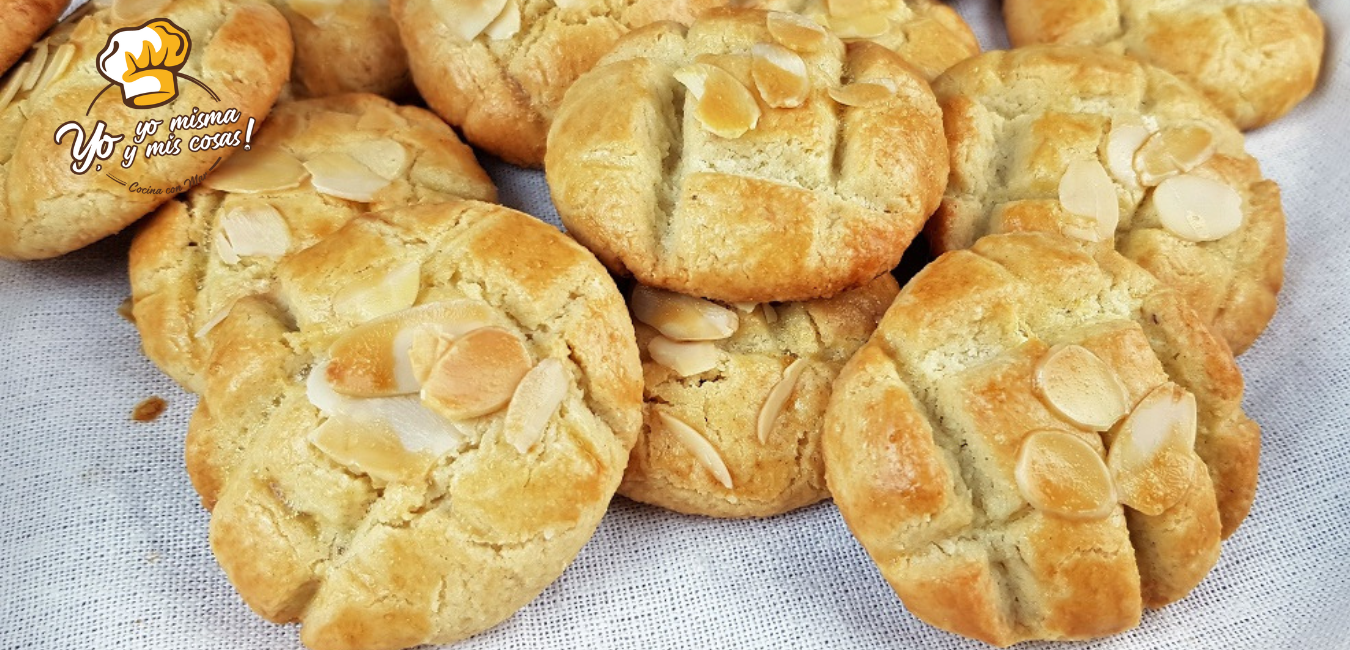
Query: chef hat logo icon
[[146, 62]]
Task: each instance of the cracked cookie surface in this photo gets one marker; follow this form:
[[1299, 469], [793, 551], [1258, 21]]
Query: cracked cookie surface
[[345, 46]]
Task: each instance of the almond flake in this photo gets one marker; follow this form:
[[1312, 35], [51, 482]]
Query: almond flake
[[56, 67], [370, 448], [466, 19], [862, 94], [683, 318], [214, 320], [128, 11], [387, 158], [745, 307], [723, 105], [262, 169], [252, 230], [340, 175], [686, 359], [770, 314], [379, 294], [1152, 454], [315, 11], [507, 23], [1060, 474], [1198, 209], [780, 75], [796, 32], [37, 64], [1078, 386], [848, 7], [536, 399], [777, 399], [703, 451], [577, 5], [1171, 151], [1124, 140], [477, 375], [1087, 191], [10, 89], [860, 26]]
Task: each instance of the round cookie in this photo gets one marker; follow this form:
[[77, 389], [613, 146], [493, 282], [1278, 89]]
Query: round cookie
[[24, 23], [1096, 145], [1255, 59], [732, 425], [316, 165], [378, 519], [344, 46], [1014, 394], [49, 205], [498, 69], [929, 35], [714, 192]]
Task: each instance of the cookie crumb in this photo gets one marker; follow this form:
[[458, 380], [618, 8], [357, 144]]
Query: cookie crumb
[[124, 310], [150, 409]]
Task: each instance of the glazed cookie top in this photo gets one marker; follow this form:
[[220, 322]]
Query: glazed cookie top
[[240, 51], [928, 34], [416, 476], [498, 69], [316, 165], [1014, 396], [752, 158], [345, 46], [24, 23], [735, 396], [1255, 59], [1097, 146]]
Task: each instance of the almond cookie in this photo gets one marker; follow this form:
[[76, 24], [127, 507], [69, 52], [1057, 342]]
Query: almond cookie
[[1097, 146], [24, 23], [344, 46], [416, 477], [497, 69], [1039, 440], [735, 395], [81, 89], [317, 164], [928, 34], [1255, 59], [749, 159]]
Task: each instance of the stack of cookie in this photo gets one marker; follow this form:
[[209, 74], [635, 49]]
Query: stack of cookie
[[416, 405]]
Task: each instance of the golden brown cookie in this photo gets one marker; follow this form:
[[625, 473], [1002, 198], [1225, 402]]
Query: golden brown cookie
[[1255, 59], [217, 58], [735, 396], [23, 24], [722, 163], [498, 69], [1097, 146], [929, 35], [345, 46], [980, 446], [417, 477], [317, 164]]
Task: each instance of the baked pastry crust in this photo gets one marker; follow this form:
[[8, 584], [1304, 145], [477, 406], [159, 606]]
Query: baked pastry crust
[[367, 563], [1016, 120], [785, 470], [1255, 60], [241, 50], [349, 46], [925, 424], [24, 23], [502, 94], [813, 201], [180, 283]]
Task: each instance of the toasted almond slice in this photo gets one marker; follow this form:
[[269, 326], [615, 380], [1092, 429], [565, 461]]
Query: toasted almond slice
[[370, 448], [466, 19], [797, 32], [683, 318], [378, 294], [429, 344], [1198, 209], [849, 7], [214, 320], [37, 65], [477, 375], [371, 360], [1171, 151], [137, 10], [418, 428], [506, 24], [1078, 386], [1060, 474], [722, 104], [387, 158], [56, 67], [220, 243], [686, 359], [1152, 456], [703, 451], [315, 11], [252, 229], [263, 169], [340, 175], [10, 89], [861, 94], [770, 314], [536, 399], [777, 399], [1087, 191], [780, 75], [1124, 140], [745, 307], [860, 26]]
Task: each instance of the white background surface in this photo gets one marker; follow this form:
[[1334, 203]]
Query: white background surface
[[103, 543]]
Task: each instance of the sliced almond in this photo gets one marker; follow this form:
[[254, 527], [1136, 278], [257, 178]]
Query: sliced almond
[[1124, 140], [686, 359], [860, 26], [745, 307], [577, 5], [703, 451], [536, 399], [127, 11], [722, 104], [1078, 386], [216, 318], [780, 75], [371, 360], [797, 32], [1152, 454], [506, 24], [56, 67], [1087, 191], [862, 94], [417, 427], [379, 294], [1171, 151], [387, 158], [683, 318], [10, 89], [37, 64], [315, 11], [777, 399], [848, 7], [477, 374], [466, 19], [770, 314], [1198, 209], [337, 174], [262, 169], [252, 230], [370, 448], [1060, 474]]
